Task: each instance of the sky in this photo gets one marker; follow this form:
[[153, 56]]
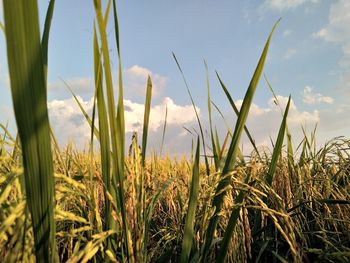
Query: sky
[[309, 59]]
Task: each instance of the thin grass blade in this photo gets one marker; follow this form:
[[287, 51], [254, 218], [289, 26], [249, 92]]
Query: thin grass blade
[[191, 212], [46, 34], [197, 116], [103, 132], [231, 225], [146, 118], [116, 122], [235, 109], [214, 147], [289, 136], [233, 149], [81, 107], [278, 146], [273, 164], [120, 136]]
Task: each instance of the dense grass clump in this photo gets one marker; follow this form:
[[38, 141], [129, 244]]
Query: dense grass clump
[[104, 206], [305, 210]]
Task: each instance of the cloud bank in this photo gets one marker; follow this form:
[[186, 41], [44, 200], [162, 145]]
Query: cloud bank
[[135, 79], [284, 5], [310, 97], [69, 124]]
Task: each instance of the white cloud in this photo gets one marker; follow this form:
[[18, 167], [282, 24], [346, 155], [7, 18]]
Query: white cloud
[[264, 121], [272, 112], [320, 34], [254, 110], [270, 116], [290, 53], [177, 115], [335, 120], [283, 5], [287, 33], [69, 123], [309, 97], [337, 29], [136, 81], [295, 116], [78, 85]]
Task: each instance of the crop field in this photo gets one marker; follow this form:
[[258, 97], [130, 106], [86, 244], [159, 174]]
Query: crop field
[[113, 203]]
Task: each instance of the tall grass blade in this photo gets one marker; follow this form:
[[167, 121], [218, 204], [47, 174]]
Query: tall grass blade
[[231, 225], [103, 131], [272, 168], [214, 147], [141, 245], [121, 140], [191, 211], [233, 149], [29, 95], [278, 146], [290, 151], [93, 126], [235, 109], [116, 122], [109, 87], [197, 116], [106, 15], [217, 144], [146, 118], [229, 132], [83, 111], [45, 37], [273, 164], [223, 118]]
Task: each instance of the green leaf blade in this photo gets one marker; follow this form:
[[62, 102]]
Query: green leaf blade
[[191, 212], [29, 95], [234, 148]]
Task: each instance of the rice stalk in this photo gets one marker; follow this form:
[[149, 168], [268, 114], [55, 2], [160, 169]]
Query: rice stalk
[[191, 210], [29, 95], [232, 152]]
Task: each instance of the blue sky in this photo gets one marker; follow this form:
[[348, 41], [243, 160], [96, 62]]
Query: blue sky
[[309, 58]]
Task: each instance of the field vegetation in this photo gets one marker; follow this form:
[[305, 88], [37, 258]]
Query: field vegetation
[[102, 205]]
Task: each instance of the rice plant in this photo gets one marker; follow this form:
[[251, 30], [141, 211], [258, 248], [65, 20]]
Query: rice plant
[[27, 59], [65, 205]]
